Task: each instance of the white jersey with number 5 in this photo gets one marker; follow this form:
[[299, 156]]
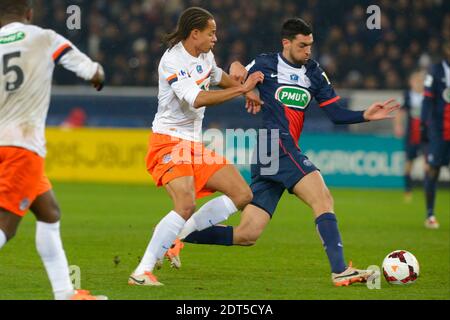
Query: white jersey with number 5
[[181, 78], [28, 55]]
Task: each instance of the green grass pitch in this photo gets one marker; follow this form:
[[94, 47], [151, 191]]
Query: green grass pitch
[[103, 223]]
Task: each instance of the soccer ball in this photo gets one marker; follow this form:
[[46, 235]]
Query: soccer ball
[[400, 267]]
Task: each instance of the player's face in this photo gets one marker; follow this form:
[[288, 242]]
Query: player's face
[[299, 49], [207, 38]]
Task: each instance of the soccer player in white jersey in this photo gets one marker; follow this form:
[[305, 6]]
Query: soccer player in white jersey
[[28, 56], [186, 71]]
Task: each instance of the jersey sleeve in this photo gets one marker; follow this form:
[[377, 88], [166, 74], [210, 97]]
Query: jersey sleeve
[[216, 73], [66, 54], [324, 91], [254, 66], [182, 84]]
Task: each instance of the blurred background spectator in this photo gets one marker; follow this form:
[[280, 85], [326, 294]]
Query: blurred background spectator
[[125, 35]]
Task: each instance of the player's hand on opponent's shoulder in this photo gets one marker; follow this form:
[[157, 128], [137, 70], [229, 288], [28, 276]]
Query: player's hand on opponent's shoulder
[[238, 72], [253, 80], [253, 103], [98, 80], [381, 111]]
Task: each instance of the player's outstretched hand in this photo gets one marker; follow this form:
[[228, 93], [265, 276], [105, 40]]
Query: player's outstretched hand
[[253, 80], [253, 103], [381, 111], [238, 72], [99, 78]]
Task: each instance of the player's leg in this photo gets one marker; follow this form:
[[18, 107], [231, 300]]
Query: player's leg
[[49, 244], [50, 248], [437, 156], [237, 194], [254, 218], [9, 222], [411, 154], [181, 191], [313, 191]]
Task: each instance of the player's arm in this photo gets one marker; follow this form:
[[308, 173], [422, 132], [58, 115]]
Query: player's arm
[[329, 101], [211, 98], [185, 88], [67, 55], [239, 73]]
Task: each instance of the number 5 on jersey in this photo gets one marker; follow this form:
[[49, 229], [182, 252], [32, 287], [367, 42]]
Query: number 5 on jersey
[[9, 67]]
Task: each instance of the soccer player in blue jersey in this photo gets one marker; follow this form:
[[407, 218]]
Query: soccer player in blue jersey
[[410, 129], [292, 79], [436, 128]]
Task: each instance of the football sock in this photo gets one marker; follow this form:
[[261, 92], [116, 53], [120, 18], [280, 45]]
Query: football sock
[[50, 248], [164, 235], [430, 190], [2, 238], [219, 235], [210, 214], [408, 183], [329, 233]]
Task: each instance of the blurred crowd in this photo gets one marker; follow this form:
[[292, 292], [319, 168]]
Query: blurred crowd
[[125, 36]]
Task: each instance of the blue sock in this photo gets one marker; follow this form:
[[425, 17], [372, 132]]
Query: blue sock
[[408, 183], [329, 233], [430, 190], [219, 235]]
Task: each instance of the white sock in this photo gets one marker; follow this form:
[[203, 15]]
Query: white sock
[[210, 214], [2, 238], [50, 248], [164, 235]]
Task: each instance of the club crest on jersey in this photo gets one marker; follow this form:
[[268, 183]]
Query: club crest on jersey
[[200, 69], [293, 97], [294, 77]]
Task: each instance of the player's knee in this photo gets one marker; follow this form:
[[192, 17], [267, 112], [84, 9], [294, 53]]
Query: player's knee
[[54, 214], [324, 203], [186, 208], [242, 197]]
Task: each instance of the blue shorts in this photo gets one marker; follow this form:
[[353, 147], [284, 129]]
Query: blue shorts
[[438, 153], [283, 171], [412, 151]]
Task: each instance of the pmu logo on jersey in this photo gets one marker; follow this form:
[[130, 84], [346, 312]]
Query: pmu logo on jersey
[[200, 69], [293, 97]]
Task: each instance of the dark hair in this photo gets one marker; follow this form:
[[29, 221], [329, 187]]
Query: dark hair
[[15, 7], [192, 18], [292, 27]]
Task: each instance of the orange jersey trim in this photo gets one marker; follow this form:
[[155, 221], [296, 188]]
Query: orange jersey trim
[[60, 50], [328, 102]]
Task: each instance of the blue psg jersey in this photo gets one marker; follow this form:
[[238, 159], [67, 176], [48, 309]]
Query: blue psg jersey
[[287, 91], [412, 103], [437, 100]]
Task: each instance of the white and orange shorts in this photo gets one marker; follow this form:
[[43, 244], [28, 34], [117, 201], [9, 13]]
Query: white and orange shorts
[[169, 158], [22, 179]]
